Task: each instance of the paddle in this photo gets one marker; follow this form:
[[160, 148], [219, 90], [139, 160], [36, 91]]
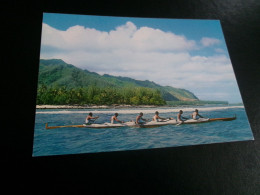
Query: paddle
[[96, 119]]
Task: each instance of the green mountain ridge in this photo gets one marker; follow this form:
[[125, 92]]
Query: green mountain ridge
[[57, 73]]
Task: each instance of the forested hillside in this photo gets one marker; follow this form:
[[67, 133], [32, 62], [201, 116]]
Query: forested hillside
[[62, 83]]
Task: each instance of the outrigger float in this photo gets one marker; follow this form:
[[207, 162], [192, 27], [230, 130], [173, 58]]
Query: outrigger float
[[150, 124]]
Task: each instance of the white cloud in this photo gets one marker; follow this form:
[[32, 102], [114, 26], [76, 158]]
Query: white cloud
[[140, 53], [206, 41], [123, 37], [147, 39]]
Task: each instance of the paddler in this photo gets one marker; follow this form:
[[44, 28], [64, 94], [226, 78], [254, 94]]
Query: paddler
[[157, 118], [195, 115], [180, 118], [114, 118], [90, 119], [139, 119]]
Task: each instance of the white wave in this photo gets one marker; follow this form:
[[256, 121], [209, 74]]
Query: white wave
[[135, 111]]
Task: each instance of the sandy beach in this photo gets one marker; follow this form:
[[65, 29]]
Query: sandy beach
[[91, 106]]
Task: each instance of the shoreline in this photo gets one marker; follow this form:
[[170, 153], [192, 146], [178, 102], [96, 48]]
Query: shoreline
[[93, 106], [133, 111], [118, 106]]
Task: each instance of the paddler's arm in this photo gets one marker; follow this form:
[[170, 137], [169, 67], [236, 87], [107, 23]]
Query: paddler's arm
[[162, 118], [144, 119], [185, 118], [118, 120], [94, 117], [200, 116]]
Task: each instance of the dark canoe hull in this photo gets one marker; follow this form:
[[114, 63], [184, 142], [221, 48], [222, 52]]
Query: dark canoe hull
[[209, 120], [223, 119]]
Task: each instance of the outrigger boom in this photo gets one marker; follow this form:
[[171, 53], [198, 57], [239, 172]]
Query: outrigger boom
[[55, 127]]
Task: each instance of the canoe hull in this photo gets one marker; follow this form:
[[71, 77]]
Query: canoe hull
[[151, 124]]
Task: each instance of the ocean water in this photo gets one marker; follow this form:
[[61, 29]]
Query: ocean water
[[84, 140]]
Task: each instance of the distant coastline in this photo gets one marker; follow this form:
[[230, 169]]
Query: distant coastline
[[123, 106], [92, 106]]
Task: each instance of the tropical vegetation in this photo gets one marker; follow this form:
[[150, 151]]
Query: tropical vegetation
[[98, 96], [62, 83]]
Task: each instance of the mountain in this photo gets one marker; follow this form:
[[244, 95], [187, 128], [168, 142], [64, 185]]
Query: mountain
[[57, 73]]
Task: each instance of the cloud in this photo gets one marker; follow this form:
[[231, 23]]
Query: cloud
[[206, 41], [219, 50], [142, 53], [148, 39], [126, 36]]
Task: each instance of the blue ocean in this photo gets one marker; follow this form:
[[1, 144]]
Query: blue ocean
[[85, 140]]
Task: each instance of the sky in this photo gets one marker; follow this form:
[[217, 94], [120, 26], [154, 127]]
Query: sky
[[181, 53]]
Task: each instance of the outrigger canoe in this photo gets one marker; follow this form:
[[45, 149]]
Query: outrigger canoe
[[150, 124]]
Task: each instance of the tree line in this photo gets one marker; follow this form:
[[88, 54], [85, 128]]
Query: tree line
[[195, 103], [98, 96]]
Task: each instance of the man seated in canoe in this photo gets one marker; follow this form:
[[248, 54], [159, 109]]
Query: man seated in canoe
[[195, 115], [90, 119], [140, 120], [180, 118], [157, 118], [114, 119]]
